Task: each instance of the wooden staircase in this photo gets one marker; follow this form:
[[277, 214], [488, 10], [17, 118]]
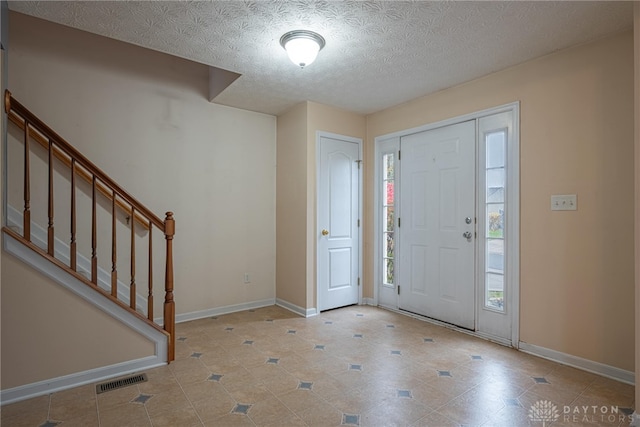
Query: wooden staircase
[[60, 154]]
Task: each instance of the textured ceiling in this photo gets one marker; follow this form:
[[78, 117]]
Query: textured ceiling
[[378, 53]]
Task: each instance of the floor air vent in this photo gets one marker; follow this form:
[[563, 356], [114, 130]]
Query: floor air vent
[[121, 383]]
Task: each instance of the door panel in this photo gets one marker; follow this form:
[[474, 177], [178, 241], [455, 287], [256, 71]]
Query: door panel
[[339, 268], [340, 203], [419, 269], [338, 233], [437, 195]]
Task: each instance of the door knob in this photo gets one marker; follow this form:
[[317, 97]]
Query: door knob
[[467, 235], [325, 232]]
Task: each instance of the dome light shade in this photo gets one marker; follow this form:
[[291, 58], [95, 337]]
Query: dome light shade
[[302, 46]]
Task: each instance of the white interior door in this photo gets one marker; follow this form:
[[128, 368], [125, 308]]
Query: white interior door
[[437, 229], [338, 218]]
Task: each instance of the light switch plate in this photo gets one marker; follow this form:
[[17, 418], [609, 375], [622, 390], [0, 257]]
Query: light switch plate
[[564, 202]]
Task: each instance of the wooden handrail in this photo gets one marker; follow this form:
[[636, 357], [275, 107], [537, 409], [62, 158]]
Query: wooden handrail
[[65, 159], [58, 148]]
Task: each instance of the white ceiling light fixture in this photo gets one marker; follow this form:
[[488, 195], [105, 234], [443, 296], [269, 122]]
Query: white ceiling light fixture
[[302, 46]]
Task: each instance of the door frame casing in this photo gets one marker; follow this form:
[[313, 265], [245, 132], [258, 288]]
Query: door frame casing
[[350, 139], [513, 182]]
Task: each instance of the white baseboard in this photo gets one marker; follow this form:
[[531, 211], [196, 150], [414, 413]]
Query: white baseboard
[[608, 371], [218, 311], [227, 309], [77, 379], [304, 312], [369, 301]]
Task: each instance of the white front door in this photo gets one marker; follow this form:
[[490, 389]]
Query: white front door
[[338, 222], [437, 229]]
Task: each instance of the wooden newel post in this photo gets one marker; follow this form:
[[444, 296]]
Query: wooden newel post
[[169, 304]]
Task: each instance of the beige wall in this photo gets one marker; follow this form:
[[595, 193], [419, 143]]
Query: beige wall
[[144, 118], [291, 206], [576, 137], [296, 183], [636, 74], [60, 334]]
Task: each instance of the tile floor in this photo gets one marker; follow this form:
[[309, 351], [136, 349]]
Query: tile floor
[[356, 366]]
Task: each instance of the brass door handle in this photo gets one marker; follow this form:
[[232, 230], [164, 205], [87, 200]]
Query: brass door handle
[[325, 232]]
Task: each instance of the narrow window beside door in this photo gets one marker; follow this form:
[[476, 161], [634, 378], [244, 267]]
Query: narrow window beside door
[[495, 143], [388, 252]]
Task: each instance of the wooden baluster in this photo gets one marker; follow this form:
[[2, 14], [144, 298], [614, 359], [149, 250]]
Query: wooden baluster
[[150, 296], [73, 251], [132, 286], [94, 234], [114, 254], [26, 215], [50, 231], [169, 303]]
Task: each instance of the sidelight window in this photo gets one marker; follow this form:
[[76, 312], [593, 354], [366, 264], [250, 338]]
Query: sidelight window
[[388, 220], [495, 147]]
